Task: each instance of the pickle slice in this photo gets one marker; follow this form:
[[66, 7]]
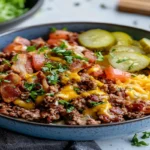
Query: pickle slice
[[122, 48], [146, 44], [123, 38], [96, 39], [128, 61]]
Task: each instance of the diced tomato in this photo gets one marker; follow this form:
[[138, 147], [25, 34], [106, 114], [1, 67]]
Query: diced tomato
[[54, 42], [14, 47], [38, 61], [90, 55], [9, 92], [59, 34], [23, 41], [116, 74]]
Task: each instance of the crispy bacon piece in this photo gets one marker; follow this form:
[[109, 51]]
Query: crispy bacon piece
[[14, 47], [20, 65], [21, 40], [90, 55], [9, 92], [39, 42]]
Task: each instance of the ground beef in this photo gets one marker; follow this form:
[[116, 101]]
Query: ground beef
[[79, 103], [53, 113], [18, 112], [86, 83]]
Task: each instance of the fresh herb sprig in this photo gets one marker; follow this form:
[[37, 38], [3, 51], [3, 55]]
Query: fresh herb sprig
[[99, 55], [135, 142], [93, 104], [69, 107]]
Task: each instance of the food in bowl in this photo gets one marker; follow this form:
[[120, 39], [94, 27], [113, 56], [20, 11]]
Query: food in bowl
[[10, 9], [87, 78]]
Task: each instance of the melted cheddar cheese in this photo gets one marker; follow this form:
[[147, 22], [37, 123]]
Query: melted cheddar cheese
[[68, 76], [67, 93], [99, 109], [137, 87]]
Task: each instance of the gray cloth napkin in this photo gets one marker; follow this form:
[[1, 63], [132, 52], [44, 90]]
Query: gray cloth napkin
[[14, 141]]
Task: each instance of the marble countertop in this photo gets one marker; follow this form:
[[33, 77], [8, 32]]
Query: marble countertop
[[91, 10]]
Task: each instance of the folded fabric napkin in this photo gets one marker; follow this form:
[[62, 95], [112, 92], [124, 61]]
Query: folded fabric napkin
[[14, 141]]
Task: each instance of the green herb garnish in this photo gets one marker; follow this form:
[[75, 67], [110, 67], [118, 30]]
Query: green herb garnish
[[93, 104], [76, 89], [50, 94], [53, 29], [6, 62], [146, 135], [35, 89], [69, 107], [15, 58], [122, 60], [135, 141], [42, 49], [99, 55], [31, 48]]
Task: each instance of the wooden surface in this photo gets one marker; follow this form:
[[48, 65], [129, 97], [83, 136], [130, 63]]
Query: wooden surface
[[135, 6]]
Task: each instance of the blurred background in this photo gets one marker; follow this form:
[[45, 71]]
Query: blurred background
[[86, 10]]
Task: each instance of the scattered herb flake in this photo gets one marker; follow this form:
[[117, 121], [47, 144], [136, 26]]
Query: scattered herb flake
[[99, 55], [146, 135], [76, 89], [15, 58], [31, 48], [93, 104], [42, 49], [135, 142], [53, 29], [122, 60]]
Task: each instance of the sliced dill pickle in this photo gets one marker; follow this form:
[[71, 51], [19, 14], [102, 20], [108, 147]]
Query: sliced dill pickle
[[122, 48], [123, 38], [146, 44], [128, 61], [96, 39]]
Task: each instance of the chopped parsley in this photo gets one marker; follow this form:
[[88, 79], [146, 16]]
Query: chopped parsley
[[15, 58], [6, 62], [76, 89], [3, 80], [53, 79], [35, 89], [64, 28], [42, 49], [53, 29], [131, 66], [69, 107], [67, 54], [146, 135], [31, 48], [50, 94], [135, 142], [122, 60], [99, 55], [54, 69], [93, 104]]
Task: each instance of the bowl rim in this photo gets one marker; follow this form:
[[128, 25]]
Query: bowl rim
[[73, 126], [25, 15]]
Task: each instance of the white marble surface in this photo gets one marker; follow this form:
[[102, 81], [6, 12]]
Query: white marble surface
[[91, 10]]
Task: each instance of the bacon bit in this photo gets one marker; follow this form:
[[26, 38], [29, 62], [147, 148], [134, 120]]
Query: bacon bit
[[9, 92], [39, 42], [90, 55], [23, 41], [14, 78], [20, 65], [54, 42], [14, 47]]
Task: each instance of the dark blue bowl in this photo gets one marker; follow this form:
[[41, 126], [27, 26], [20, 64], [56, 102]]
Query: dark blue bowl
[[65, 132]]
